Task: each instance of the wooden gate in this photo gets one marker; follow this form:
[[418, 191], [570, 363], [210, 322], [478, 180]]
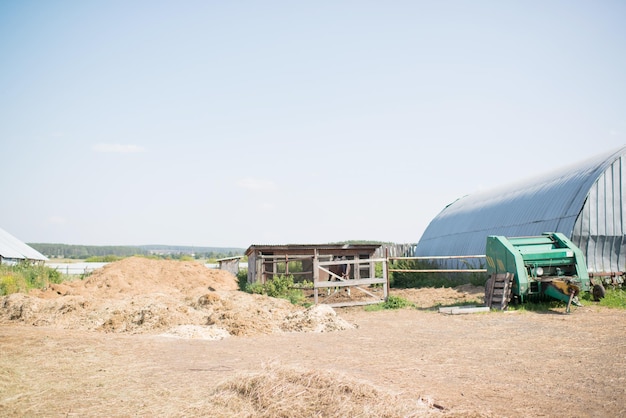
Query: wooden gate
[[359, 289]]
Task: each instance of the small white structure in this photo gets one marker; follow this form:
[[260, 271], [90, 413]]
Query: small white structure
[[230, 264]]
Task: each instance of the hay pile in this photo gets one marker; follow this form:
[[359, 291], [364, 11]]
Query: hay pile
[[283, 392], [173, 298]]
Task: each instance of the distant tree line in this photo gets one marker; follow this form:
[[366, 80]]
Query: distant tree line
[[81, 252], [85, 251]]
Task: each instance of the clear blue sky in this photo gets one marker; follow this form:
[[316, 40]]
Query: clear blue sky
[[222, 123]]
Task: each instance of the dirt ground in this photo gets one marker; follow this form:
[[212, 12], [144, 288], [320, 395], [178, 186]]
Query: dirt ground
[[160, 338]]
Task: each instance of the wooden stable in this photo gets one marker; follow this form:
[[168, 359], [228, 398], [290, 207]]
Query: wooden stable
[[314, 263]]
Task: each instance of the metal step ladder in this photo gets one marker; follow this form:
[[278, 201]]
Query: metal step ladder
[[498, 291]]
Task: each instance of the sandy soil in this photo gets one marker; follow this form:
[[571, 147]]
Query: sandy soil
[[153, 338]]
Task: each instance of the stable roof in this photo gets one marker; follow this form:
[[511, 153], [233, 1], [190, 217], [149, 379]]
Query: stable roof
[[14, 249], [301, 249]]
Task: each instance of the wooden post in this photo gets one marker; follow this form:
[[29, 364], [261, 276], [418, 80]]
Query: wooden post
[[259, 269], [386, 274], [316, 275]]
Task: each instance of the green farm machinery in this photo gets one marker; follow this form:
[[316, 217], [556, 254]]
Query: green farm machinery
[[535, 267]]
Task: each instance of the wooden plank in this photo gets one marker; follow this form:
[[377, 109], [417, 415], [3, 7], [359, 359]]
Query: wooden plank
[[358, 261], [359, 303], [458, 310], [439, 271], [350, 282]]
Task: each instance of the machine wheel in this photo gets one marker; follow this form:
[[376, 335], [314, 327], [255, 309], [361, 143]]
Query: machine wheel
[[598, 292]]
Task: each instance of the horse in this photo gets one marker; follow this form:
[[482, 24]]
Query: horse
[[342, 270]]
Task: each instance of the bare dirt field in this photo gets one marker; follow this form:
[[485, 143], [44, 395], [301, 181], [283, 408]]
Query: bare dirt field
[[142, 338]]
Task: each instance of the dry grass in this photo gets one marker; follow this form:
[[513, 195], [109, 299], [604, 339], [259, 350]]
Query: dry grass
[[281, 392]]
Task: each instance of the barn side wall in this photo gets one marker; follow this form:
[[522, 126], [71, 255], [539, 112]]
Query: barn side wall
[[599, 229]]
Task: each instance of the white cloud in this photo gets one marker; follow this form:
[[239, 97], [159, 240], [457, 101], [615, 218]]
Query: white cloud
[[613, 132], [117, 148], [256, 185]]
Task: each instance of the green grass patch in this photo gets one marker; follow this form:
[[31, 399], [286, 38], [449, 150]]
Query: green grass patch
[[23, 277], [614, 298], [393, 302], [537, 306]]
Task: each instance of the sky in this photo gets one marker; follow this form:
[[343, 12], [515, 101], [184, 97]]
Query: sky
[[228, 124]]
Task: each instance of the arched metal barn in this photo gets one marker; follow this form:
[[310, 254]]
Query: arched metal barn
[[584, 201]]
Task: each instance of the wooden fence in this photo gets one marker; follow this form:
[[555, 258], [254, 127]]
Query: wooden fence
[[358, 284], [326, 284], [441, 257]]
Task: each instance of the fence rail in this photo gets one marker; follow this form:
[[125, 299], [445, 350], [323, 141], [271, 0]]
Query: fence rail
[[437, 257]]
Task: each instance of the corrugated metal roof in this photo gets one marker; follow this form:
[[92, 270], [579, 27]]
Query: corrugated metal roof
[[310, 247], [548, 203], [13, 248]]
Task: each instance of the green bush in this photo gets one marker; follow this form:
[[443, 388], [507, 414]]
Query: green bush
[[304, 284], [278, 287], [255, 288], [242, 279], [23, 277], [8, 284]]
